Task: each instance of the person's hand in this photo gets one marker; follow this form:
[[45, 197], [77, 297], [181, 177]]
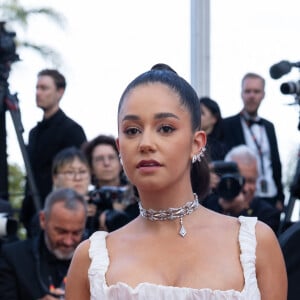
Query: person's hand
[[236, 206], [91, 209], [60, 294], [214, 180], [120, 206]]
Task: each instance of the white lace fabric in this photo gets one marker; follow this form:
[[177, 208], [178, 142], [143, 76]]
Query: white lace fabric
[[145, 291]]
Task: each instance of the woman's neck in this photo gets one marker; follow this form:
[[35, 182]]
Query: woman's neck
[[161, 200]]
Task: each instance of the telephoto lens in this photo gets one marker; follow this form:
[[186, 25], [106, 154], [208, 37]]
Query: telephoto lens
[[290, 87], [231, 182]]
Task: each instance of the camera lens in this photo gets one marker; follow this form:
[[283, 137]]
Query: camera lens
[[229, 186], [290, 88]]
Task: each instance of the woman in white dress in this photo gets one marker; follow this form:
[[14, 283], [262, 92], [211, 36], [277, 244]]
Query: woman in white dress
[[175, 249]]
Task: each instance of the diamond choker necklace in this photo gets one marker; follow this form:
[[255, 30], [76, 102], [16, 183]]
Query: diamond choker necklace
[[171, 213]]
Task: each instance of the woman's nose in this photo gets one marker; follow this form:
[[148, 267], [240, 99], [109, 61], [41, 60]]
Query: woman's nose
[[147, 142]]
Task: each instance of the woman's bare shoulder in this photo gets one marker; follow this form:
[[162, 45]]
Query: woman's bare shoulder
[[265, 234], [266, 240], [270, 266], [77, 286], [82, 251], [217, 219]]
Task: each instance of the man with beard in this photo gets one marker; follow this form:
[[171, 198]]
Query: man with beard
[[36, 268], [259, 134]]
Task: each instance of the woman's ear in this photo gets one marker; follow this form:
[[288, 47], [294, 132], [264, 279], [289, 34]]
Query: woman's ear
[[199, 142], [42, 219]]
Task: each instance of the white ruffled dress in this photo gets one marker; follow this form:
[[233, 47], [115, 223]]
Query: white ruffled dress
[[145, 291]]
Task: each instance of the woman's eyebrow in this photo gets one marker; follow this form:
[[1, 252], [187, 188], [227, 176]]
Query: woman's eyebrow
[[131, 118], [161, 115], [164, 115]]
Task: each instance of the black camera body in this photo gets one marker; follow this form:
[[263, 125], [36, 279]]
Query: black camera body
[[8, 53], [105, 196], [8, 225], [231, 182], [283, 68], [289, 87]]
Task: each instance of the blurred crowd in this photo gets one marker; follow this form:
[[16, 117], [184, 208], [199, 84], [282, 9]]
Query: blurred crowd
[[82, 187]]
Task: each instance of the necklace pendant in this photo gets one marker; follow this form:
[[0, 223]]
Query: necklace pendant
[[182, 230]]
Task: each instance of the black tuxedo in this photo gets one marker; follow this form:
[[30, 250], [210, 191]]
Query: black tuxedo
[[234, 136], [27, 269]]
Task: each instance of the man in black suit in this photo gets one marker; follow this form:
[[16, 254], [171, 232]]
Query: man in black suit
[[55, 132], [259, 134], [36, 268]]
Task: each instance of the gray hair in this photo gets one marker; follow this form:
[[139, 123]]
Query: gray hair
[[253, 76], [241, 152], [69, 197]]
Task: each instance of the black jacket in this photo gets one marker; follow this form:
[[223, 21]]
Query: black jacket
[[45, 141], [289, 242], [27, 269], [259, 208], [234, 136]]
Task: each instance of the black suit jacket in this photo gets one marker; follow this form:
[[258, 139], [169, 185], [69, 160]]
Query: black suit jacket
[[259, 208], [234, 136], [24, 271], [290, 245], [45, 140]]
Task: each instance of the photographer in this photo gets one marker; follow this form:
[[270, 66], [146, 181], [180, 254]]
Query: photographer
[[242, 188], [112, 189], [36, 268]]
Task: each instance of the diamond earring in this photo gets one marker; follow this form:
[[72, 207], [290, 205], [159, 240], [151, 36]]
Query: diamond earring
[[197, 157], [121, 161]]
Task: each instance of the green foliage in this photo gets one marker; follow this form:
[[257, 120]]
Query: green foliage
[[18, 16], [14, 11], [16, 184]]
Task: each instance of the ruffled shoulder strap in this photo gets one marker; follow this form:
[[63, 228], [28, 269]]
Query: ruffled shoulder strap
[[247, 237], [247, 240], [99, 256]]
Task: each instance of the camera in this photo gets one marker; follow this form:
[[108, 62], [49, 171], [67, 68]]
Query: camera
[[7, 50], [290, 87], [231, 182], [283, 68], [110, 202], [8, 225], [114, 219], [105, 196], [7, 45]]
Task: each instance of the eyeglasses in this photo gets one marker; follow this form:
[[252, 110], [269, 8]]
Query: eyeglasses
[[83, 174], [103, 159]]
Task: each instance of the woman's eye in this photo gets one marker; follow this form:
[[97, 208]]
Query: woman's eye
[[131, 131], [166, 129]]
